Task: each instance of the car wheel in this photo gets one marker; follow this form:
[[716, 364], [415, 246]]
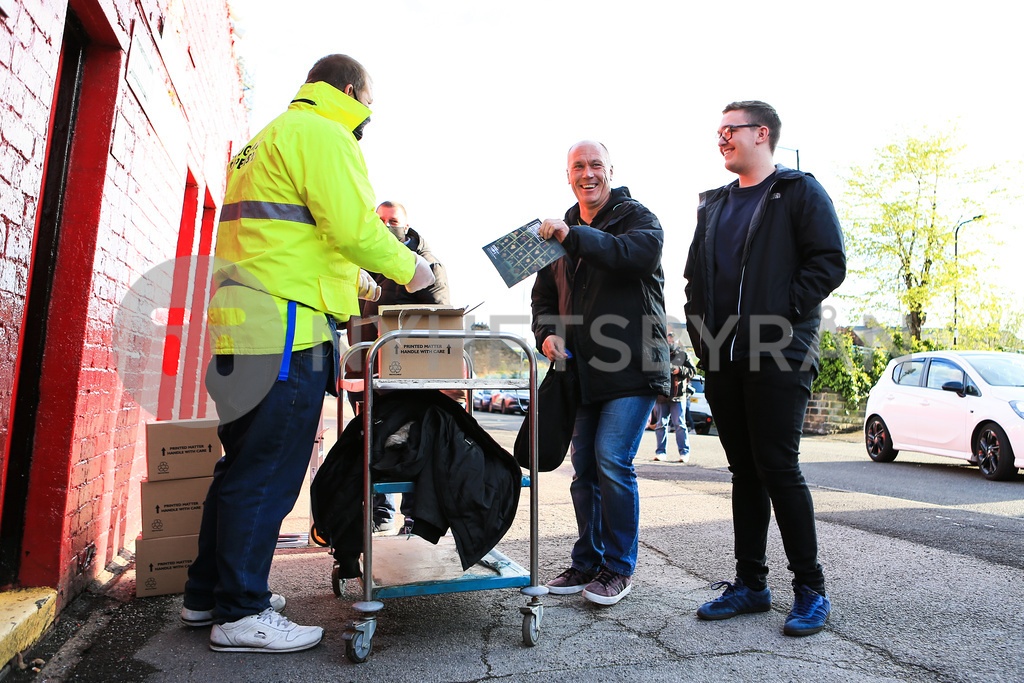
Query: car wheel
[[504, 408], [993, 453], [702, 429], [878, 440]]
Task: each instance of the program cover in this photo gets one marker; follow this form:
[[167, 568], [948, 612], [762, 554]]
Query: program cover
[[522, 252]]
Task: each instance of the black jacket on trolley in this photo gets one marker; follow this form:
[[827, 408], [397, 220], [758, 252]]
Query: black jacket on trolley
[[793, 257], [464, 480], [609, 292]]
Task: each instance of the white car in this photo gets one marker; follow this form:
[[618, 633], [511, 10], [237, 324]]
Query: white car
[[961, 404], [700, 411]]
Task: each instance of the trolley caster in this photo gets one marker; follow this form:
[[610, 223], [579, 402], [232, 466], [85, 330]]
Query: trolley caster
[[532, 617], [358, 647], [337, 583], [359, 641]]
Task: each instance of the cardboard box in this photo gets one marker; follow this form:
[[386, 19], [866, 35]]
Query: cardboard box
[[173, 507], [181, 449], [427, 358], [161, 564]]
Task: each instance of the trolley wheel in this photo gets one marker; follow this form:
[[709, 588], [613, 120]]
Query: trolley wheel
[[317, 538], [358, 647], [531, 629], [337, 583]]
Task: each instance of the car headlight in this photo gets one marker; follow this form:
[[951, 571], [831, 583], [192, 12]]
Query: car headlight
[[1018, 407]]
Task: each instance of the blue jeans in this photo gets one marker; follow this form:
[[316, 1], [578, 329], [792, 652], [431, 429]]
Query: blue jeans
[[255, 484], [604, 490], [669, 414]]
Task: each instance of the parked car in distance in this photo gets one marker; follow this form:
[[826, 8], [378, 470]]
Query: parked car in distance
[[700, 411], [961, 404], [511, 401], [482, 398]]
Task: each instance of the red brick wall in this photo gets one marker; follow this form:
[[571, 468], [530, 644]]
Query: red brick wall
[[133, 226]]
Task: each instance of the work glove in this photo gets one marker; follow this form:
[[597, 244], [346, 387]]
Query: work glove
[[423, 277], [369, 290]]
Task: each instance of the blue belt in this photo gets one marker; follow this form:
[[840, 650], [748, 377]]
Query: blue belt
[[289, 339]]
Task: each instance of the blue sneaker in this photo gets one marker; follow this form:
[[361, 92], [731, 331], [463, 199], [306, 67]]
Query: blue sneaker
[[809, 613], [737, 599]]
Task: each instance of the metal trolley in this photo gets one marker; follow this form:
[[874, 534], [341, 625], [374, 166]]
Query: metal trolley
[[505, 573]]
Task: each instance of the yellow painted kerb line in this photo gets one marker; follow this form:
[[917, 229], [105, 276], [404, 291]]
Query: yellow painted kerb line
[[24, 617]]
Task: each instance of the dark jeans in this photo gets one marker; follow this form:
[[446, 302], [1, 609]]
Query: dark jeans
[[256, 483], [760, 415]]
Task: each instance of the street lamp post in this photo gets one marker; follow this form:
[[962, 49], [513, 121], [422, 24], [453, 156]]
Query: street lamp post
[[796, 151], [956, 270]]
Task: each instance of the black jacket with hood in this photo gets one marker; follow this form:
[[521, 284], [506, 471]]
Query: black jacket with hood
[[793, 258], [609, 290]]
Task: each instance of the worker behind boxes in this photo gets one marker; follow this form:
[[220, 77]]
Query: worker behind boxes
[[364, 329], [296, 226]]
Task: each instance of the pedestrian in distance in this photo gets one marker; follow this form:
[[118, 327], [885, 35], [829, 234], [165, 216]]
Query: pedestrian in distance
[[603, 305], [296, 227], [669, 409], [766, 252]]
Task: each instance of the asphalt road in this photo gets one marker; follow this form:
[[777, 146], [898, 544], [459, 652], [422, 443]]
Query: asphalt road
[[943, 502], [840, 462]]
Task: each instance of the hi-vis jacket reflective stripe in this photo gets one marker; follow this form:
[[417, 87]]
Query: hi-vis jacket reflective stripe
[[298, 222]]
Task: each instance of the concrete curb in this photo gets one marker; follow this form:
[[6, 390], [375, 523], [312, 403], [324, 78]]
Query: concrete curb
[[25, 615]]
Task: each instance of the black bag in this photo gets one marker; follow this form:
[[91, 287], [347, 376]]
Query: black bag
[[557, 399]]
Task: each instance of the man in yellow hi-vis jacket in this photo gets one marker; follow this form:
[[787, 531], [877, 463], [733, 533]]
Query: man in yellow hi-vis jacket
[[298, 223]]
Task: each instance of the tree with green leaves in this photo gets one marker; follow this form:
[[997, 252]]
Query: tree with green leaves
[[902, 215]]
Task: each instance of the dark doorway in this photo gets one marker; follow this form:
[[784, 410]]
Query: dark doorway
[[37, 323]]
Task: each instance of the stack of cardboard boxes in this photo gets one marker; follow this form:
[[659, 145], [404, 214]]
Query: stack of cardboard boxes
[[180, 457]]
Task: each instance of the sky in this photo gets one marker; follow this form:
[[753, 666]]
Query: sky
[[477, 103]]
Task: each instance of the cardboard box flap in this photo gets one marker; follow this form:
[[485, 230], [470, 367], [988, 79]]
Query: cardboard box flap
[[418, 312]]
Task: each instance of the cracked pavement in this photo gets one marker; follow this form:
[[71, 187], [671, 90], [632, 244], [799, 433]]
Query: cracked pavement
[[903, 608]]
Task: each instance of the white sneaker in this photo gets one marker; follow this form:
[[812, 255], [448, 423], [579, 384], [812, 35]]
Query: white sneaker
[[660, 457], [267, 631], [684, 458], [204, 617]]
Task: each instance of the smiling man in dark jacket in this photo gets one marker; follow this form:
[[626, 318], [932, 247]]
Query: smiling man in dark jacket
[[767, 250], [603, 302]]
